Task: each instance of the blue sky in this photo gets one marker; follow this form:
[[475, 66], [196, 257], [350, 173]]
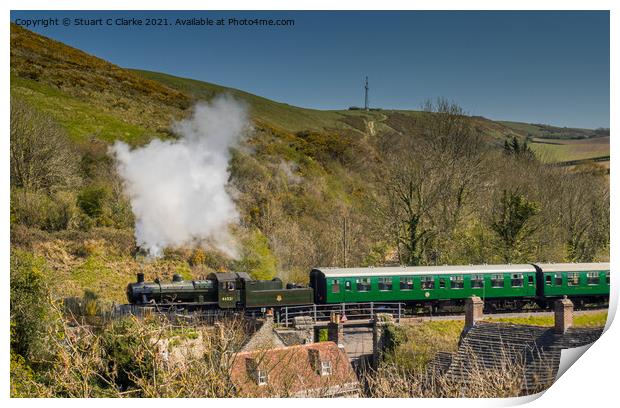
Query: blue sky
[[540, 67]]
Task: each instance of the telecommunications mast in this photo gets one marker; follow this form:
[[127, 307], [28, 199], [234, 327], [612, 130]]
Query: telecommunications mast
[[366, 95]]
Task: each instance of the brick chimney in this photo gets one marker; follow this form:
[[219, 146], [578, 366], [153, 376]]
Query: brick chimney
[[563, 315], [473, 312], [335, 330]]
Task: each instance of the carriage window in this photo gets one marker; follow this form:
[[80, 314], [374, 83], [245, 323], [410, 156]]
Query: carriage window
[[497, 281], [335, 286], [477, 281], [607, 277], [516, 280], [230, 285], [456, 282], [558, 279], [548, 280], [427, 282], [385, 283], [442, 283], [406, 283], [573, 279], [593, 278], [363, 284], [530, 280], [347, 286]]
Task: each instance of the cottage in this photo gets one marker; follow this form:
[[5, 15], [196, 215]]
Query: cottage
[[308, 370], [534, 350]]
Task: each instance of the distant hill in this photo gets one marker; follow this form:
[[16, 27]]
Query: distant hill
[[554, 132]]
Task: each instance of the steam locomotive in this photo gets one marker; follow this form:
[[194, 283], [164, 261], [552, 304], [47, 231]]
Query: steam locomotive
[[501, 286]]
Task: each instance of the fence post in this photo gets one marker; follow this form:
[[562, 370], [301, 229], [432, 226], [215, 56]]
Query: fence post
[[372, 307], [399, 305], [343, 309], [314, 310], [286, 316]]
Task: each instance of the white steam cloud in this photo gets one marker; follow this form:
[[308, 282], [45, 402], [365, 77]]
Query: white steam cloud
[[177, 188]]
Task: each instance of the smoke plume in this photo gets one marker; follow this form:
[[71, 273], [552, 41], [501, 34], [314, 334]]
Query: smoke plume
[[177, 187]]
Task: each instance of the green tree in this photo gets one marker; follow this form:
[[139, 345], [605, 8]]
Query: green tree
[[30, 305], [257, 258], [513, 226]]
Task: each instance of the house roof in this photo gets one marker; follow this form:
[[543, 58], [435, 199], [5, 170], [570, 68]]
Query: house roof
[[294, 371], [424, 270], [502, 345]]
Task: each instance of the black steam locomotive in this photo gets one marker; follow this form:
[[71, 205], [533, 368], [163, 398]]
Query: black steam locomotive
[[221, 290]]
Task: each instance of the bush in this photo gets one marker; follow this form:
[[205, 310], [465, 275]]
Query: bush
[[128, 355], [30, 305], [42, 157], [49, 212], [257, 258], [92, 200]]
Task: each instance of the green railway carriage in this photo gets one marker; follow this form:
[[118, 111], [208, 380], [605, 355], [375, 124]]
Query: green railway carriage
[[424, 284], [581, 282]]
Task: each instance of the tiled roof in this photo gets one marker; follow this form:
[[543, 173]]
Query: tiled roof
[[294, 371], [495, 346]]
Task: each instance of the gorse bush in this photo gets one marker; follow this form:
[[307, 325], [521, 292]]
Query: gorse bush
[[30, 306]]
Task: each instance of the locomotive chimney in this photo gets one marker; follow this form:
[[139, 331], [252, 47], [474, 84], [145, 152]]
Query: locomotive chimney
[[140, 277]]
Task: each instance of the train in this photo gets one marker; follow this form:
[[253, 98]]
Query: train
[[502, 287]]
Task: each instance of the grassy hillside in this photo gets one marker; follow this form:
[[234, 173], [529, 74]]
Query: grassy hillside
[[554, 150], [554, 132]]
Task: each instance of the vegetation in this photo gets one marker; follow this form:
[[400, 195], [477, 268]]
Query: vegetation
[[428, 187]]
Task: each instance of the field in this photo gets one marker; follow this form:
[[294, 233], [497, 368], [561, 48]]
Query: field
[[557, 150]]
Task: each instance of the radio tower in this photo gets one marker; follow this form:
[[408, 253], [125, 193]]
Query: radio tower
[[366, 95]]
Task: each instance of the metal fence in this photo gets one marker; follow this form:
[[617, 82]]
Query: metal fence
[[350, 311], [172, 314]]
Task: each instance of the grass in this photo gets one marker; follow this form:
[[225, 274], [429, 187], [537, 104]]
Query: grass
[[80, 119], [424, 340], [548, 131], [590, 319], [288, 117], [565, 150]]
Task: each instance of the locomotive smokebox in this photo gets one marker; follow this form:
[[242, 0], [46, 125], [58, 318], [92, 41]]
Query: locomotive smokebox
[[140, 277]]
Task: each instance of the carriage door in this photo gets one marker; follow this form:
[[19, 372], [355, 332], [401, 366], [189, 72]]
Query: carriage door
[[348, 284]]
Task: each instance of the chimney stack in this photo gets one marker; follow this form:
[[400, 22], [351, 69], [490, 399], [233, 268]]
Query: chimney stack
[[335, 330], [474, 307], [563, 315]]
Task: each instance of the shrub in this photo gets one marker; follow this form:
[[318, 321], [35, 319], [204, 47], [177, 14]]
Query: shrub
[[42, 157], [30, 305], [257, 258], [127, 353], [49, 212], [92, 200]]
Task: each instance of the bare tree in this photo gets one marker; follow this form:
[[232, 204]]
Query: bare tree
[[429, 179], [42, 157]]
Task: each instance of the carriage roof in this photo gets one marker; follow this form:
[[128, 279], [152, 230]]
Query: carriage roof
[[574, 267], [423, 270]]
